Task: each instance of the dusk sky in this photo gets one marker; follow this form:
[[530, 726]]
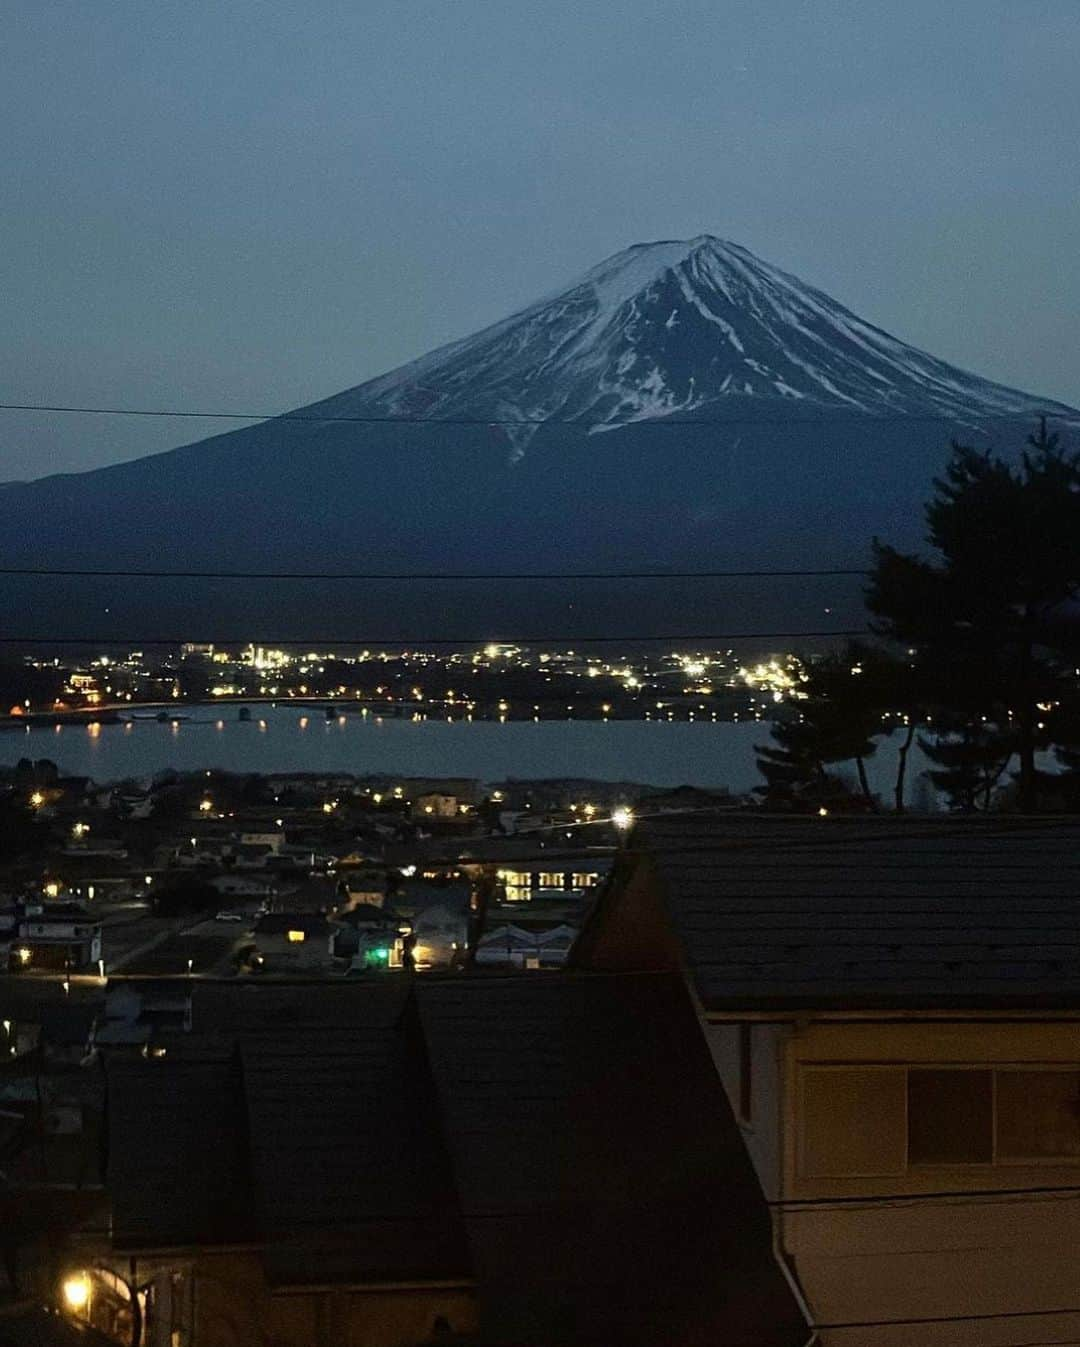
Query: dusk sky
[[254, 205]]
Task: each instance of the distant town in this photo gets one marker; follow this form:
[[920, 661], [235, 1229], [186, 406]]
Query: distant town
[[324, 875], [494, 682]]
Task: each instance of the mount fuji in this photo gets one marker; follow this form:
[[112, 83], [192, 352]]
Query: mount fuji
[[682, 406]]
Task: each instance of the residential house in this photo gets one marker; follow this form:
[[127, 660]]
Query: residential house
[[58, 936], [894, 1008], [324, 1164], [294, 942], [365, 927], [569, 875]]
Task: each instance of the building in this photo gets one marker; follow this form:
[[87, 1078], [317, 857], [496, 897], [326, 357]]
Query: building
[[894, 1008], [294, 942], [58, 936], [324, 1165], [555, 877]]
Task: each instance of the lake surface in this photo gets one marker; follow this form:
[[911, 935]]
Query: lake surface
[[295, 739]]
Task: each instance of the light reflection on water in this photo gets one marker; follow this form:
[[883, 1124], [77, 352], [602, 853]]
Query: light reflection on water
[[658, 751]]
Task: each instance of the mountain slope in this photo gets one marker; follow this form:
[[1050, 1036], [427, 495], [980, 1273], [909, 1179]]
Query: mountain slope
[[683, 405], [678, 329]]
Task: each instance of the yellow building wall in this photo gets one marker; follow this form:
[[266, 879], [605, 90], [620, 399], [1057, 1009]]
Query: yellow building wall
[[234, 1307], [1000, 1267]]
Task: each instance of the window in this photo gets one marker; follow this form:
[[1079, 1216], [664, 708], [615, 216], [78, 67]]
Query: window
[[853, 1121], [551, 879], [295, 937], [863, 1121], [950, 1117], [583, 881], [1038, 1115]]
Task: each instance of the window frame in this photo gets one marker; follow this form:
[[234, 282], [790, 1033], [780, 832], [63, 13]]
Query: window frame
[[996, 1161]]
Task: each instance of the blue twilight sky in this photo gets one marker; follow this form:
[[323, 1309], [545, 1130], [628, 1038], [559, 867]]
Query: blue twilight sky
[[253, 204]]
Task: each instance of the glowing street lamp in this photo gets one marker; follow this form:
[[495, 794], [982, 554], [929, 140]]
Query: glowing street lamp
[[623, 819], [76, 1291]]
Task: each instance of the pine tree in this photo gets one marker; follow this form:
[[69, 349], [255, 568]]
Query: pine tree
[[838, 720], [983, 617]]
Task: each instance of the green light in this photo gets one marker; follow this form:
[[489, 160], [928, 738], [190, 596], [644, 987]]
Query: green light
[[377, 956]]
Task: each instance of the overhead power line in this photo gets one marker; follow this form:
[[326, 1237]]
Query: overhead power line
[[666, 422], [429, 575], [995, 1315], [415, 642]]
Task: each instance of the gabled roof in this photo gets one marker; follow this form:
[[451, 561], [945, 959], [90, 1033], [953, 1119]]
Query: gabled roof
[[315, 1134], [563, 1140], [606, 1189], [346, 1149], [856, 913], [176, 1169]]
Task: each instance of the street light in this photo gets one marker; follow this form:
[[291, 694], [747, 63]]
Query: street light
[[623, 818], [76, 1289]]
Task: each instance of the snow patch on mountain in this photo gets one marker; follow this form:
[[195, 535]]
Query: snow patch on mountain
[[698, 327]]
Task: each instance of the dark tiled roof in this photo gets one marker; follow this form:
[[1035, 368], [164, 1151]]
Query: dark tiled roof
[[864, 912], [334, 1122], [606, 1188], [177, 1169], [247, 1008], [565, 1140], [23, 1324]]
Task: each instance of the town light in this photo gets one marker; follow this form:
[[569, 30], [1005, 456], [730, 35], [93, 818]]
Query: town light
[[76, 1291], [37, 799], [24, 955], [295, 937], [622, 818], [205, 806]]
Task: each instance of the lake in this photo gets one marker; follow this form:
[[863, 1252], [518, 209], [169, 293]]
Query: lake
[[297, 739]]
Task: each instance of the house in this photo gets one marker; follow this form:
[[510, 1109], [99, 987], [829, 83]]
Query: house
[[57, 936], [294, 942], [558, 876], [512, 946], [440, 935], [241, 886], [331, 1167], [436, 805], [363, 927], [273, 840], [894, 1008], [362, 885], [139, 1010]]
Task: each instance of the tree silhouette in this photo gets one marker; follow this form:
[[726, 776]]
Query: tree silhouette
[[987, 614]]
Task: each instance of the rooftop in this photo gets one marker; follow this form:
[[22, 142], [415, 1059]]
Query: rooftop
[[819, 913]]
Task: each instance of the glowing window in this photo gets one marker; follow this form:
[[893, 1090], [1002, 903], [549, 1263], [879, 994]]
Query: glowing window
[[296, 937]]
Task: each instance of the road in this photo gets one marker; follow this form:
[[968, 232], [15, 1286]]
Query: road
[[207, 948]]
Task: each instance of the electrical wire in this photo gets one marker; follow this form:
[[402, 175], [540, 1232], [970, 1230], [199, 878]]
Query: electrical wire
[[432, 575], [417, 642], [669, 422]]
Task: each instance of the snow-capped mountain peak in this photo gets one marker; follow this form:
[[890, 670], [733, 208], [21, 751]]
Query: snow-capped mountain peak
[[678, 328]]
